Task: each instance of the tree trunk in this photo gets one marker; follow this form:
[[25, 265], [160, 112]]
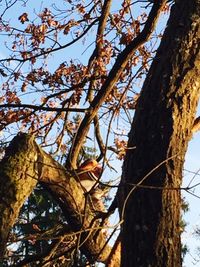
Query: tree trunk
[[160, 133]]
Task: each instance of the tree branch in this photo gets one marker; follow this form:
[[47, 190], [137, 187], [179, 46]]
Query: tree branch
[[97, 51], [115, 255], [113, 77], [99, 138], [48, 51], [24, 165], [39, 108]]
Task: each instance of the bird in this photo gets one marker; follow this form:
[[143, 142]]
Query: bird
[[89, 174]]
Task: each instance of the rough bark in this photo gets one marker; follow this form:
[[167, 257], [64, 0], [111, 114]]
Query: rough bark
[[160, 132], [17, 181], [24, 165]]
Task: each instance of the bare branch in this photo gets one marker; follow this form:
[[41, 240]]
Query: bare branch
[[38, 108], [99, 138], [97, 50]]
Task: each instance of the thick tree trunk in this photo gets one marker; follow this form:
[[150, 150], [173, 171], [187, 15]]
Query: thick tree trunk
[[24, 165], [160, 132]]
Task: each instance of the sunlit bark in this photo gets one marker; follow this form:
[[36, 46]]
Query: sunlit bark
[[24, 165]]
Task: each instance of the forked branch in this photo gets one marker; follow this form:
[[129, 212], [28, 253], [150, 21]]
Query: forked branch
[[24, 165], [112, 78]]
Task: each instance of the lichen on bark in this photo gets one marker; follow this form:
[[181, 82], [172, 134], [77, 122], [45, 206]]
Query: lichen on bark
[[24, 165]]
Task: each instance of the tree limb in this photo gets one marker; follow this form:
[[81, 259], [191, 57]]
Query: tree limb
[[115, 255], [24, 165], [99, 41], [113, 77], [39, 108]]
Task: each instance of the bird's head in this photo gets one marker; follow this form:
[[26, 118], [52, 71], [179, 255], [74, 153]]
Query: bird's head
[[91, 165]]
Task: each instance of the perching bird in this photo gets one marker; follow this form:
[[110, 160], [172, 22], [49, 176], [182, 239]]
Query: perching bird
[[89, 173]]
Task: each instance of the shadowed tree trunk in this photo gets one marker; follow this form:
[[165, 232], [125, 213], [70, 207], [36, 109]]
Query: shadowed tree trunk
[[160, 132]]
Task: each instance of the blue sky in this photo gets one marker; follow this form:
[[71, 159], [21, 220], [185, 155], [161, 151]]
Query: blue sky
[[192, 217]]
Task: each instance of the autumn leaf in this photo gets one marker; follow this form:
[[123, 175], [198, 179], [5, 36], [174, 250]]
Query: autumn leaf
[[24, 87], [36, 227]]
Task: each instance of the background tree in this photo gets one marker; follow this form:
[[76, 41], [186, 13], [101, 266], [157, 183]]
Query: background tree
[[69, 103]]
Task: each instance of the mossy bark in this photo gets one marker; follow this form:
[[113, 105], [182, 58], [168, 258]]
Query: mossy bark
[[18, 177], [160, 132], [24, 165]]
